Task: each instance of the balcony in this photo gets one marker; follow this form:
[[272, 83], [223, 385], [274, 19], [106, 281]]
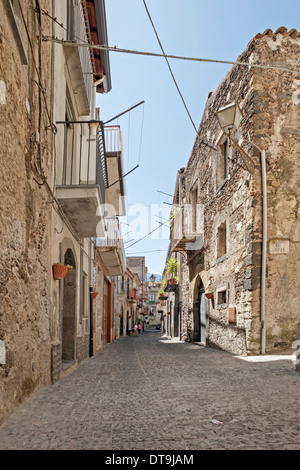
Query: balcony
[[80, 61], [110, 248], [82, 175], [116, 193], [186, 232]]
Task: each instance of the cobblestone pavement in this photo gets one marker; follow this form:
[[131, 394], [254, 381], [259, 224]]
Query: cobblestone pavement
[[150, 392]]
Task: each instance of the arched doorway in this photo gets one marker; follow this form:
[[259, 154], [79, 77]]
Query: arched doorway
[[69, 310], [199, 313]]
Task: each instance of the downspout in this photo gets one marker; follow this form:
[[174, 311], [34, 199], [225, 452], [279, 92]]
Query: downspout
[[91, 348], [264, 251], [180, 268], [91, 299]]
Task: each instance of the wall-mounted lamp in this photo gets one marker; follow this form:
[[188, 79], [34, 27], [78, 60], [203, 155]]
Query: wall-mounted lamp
[[230, 117]]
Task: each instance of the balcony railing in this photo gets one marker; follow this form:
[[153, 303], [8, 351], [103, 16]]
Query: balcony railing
[[81, 175], [80, 60], [111, 247], [187, 228], [86, 56], [114, 153], [113, 139], [84, 157]]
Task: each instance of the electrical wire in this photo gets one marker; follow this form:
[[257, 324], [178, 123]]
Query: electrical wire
[[142, 127], [171, 72], [142, 252], [154, 230], [51, 124], [172, 56]]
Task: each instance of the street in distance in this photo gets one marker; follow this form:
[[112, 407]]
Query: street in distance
[[152, 459]]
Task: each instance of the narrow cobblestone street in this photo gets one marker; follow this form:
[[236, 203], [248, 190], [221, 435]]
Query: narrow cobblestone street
[[149, 392]]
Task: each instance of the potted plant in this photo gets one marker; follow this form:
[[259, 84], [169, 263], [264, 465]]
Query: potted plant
[[172, 269], [161, 292], [61, 270], [209, 295]]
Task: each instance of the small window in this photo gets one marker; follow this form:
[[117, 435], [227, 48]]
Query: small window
[[70, 21], [85, 295], [232, 315], [194, 198], [222, 165], [221, 240], [17, 21], [222, 297]]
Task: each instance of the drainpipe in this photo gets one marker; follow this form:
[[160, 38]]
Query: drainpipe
[[91, 322], [91, 260], [180, 268], [264, 251]]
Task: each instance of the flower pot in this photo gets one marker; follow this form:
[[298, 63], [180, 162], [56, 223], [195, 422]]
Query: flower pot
[[209, 295], [171, 281], [59, 271], [95, 294]]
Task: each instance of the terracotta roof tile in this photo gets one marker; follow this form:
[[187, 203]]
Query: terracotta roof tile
[[293, 33]]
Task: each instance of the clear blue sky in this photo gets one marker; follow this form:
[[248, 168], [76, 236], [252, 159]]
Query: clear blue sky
[[213, 30]]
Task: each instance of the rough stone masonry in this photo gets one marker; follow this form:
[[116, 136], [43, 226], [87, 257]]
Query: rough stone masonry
[[232, 204]]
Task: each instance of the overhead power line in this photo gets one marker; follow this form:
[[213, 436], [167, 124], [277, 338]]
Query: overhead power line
[[171, 72], [141, 252], [171, 56]]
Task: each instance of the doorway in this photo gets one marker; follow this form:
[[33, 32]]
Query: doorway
[[69, 310], [199, 313], [106, 323]]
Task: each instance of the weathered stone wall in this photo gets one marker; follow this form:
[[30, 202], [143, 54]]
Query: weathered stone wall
[[56, 354], [276, 120], [270, 110], [229, 203], [24, 216], [83, 345]]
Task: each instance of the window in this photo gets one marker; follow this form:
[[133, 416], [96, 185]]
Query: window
[[70, 21], [221, 240], [222, 165], [232, 315], [69, 144], [16, 19], [222, 297], [85, 296], [194, 198]]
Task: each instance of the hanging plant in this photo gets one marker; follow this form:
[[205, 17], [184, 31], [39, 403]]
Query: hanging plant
[[61, 270], [209, 295]]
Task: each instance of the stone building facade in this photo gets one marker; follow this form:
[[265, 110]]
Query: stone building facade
[[52, 193], [25, 215], [219, 231]]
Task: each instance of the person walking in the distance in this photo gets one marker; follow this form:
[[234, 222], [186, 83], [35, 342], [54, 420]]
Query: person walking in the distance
[[139, 328]]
